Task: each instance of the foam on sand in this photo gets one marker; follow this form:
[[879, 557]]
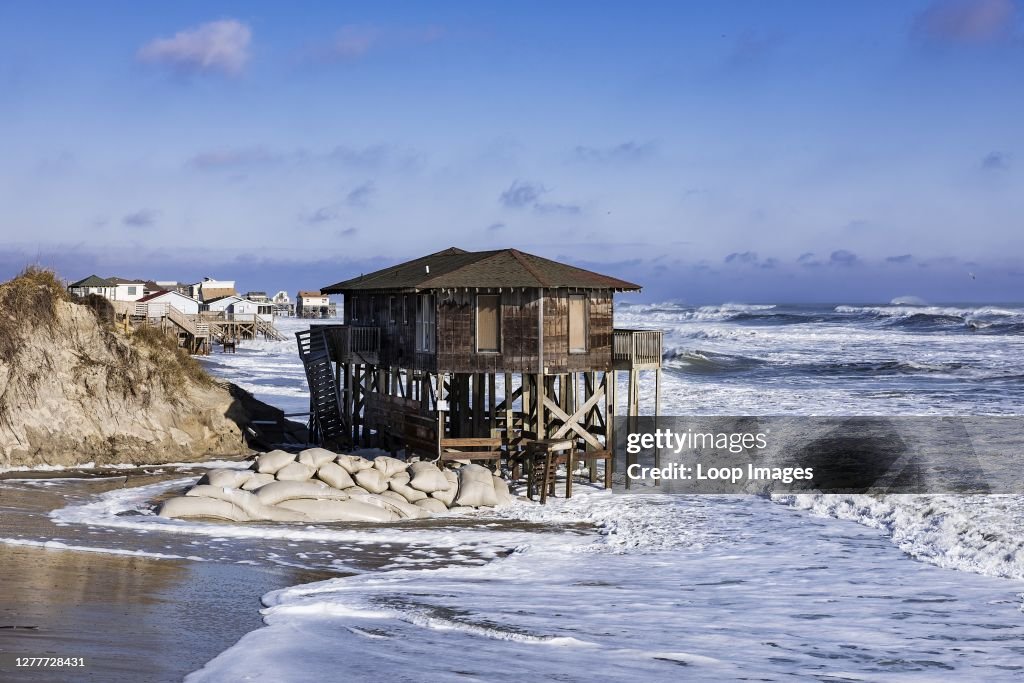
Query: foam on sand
[[673, 587]]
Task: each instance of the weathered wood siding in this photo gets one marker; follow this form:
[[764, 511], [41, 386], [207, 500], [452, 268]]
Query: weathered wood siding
[[598, 356], [397, 338], [456, 331]]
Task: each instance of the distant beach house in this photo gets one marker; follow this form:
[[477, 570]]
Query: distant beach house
[[283, 304], [158, 302], [127, 290], [112, 288], [210, 289], [258, 297], [94, 284], [235, 307], [314, 305], [173, 286]]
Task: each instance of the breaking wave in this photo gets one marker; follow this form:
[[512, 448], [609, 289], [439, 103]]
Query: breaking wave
[[979, 534]]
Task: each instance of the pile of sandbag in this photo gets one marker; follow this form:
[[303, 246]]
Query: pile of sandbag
[[320, 486]]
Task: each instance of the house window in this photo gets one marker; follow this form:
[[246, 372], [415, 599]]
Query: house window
[[373, 309], [407, 304], [393, 310], [131, 291], [488, 323], [426, 323], [353, 313], [578, 332]]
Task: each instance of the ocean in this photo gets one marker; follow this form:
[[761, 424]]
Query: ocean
[[612, 586]]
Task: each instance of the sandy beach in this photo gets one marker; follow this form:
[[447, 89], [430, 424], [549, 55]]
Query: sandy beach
[[133, 617]]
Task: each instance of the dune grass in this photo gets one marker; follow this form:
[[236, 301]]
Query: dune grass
[[129, 366]]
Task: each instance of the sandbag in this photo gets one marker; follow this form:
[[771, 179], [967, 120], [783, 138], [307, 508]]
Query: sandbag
[[249, 503], [230, 479], [275, 492], [356, 492], [295, 471], [403, 509], [400, 484], [270, 463], [314, 457], [353, 463], [335, 475], [257, 480], [474, 472], [501, 491], [431, 505], [339, 510], [475, 489], [391, 494], [212, 508], [372, 480], [447, 495], [388, 466], [427, 477]]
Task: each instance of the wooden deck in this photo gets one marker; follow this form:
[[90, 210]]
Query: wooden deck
[[196, 333], [631, 349], [636, 349]]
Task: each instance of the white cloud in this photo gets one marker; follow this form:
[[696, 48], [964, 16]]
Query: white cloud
[[214, 46]]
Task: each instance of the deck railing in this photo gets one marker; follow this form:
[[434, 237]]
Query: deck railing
[[188, 323], [636, 348], [348, 343]]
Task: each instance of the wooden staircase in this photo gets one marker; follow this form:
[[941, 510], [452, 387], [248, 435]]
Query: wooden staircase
[[267, 329], [325, 422], [196, 333]]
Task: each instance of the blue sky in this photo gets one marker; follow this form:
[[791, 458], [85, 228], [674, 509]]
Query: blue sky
[[756, 151]]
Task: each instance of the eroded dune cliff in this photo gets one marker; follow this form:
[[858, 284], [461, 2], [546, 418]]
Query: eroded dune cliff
[[76, 387]]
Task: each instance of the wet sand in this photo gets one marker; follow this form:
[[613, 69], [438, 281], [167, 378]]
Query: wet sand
[[132, 618]]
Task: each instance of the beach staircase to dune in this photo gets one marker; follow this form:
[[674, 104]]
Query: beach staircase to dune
[[267, 329], [194, 333], [325, 424]]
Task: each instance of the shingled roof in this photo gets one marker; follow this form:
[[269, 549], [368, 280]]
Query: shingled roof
[[92, 281], [456, 268]]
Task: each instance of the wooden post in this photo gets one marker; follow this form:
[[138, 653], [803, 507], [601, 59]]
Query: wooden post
[[508, 403], [439, 396], [634, 407], [478, 405], [609, 416], [589, 422], [657, 412], [539, 412]]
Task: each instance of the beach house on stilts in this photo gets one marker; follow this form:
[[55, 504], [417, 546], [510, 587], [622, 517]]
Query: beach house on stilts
[[477, 356]]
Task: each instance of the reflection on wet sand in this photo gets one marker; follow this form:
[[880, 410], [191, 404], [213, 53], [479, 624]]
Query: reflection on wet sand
[[133, 618]]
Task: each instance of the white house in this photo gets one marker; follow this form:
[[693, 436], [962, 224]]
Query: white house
[[314, 305], [245, 309], [283, 304], [94, 284], [210, 289], [220, 304], [158, 302], [236, 308], [127, 290]]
